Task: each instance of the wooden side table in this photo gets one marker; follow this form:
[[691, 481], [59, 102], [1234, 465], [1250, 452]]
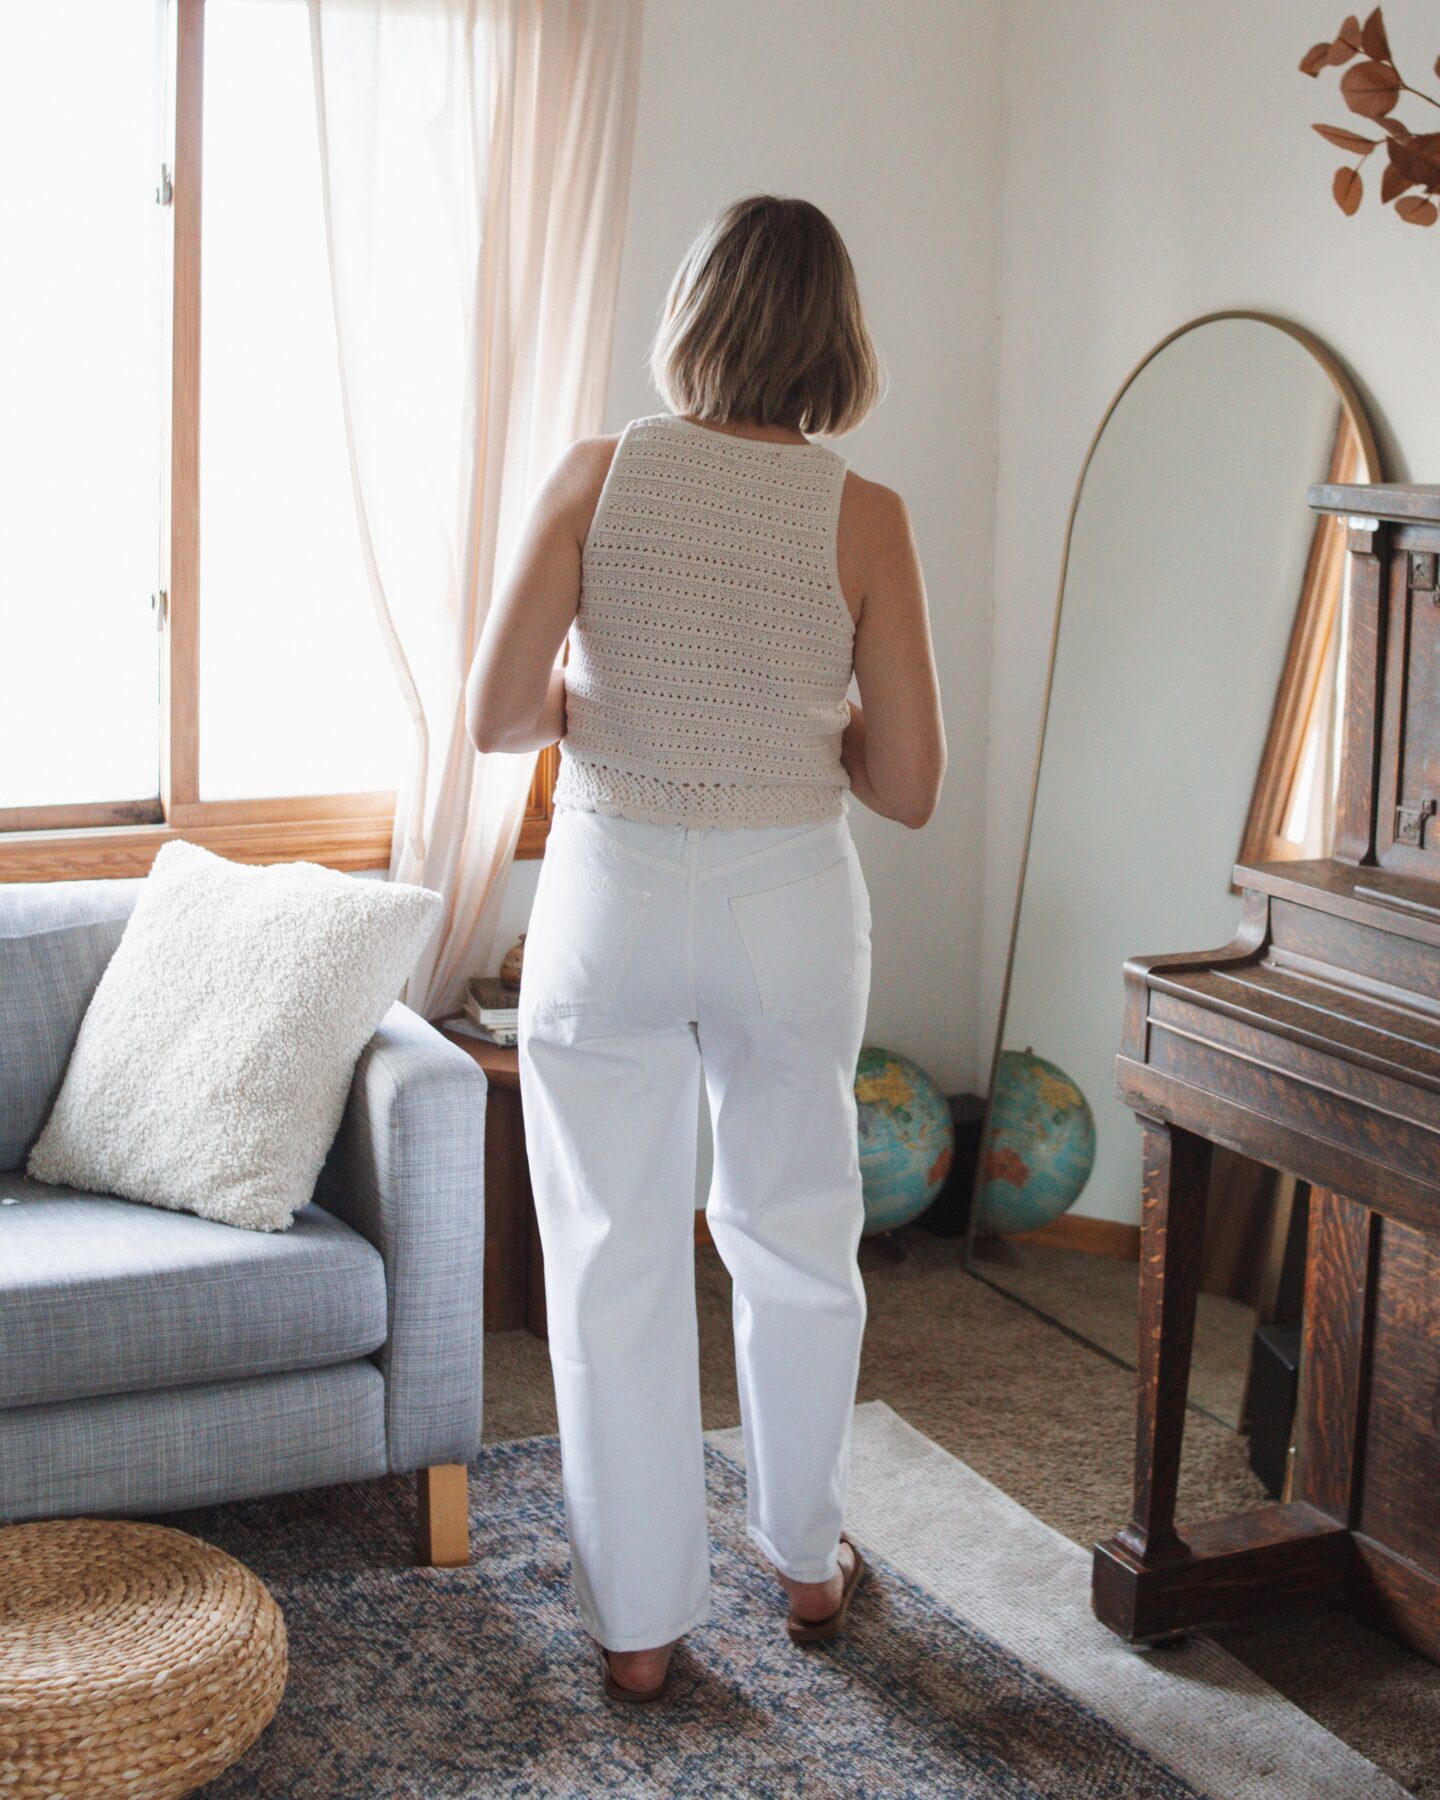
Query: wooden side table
[[514, 1260]]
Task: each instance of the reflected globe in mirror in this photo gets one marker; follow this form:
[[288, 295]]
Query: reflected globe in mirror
[[1191, 723]]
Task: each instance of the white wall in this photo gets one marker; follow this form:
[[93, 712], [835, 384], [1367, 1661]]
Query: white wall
[[888, 117], [1051, 185], [1159, 165]]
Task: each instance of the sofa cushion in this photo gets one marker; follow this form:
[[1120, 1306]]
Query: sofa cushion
[[193, 1446], [213, 1064], [56, 938], [103, 1296]]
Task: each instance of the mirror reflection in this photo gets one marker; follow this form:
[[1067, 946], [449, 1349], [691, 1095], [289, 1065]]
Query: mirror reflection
[[1192, 722]]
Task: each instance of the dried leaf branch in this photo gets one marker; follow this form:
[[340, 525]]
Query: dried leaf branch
[[1372, 88]]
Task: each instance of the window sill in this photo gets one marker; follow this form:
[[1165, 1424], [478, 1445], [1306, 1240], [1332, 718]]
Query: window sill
[[125, 850], [353, 832], [99, 853]]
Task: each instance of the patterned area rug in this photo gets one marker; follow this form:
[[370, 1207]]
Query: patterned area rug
[[418, 1684]]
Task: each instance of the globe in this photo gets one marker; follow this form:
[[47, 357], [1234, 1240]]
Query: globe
[[1041, 1145], [907, 1137]]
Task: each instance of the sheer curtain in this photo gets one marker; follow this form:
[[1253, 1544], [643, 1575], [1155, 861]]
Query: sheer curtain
[[475, 165]]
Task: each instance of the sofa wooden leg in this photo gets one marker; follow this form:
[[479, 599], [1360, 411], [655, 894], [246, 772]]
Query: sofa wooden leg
[[444, 1496]]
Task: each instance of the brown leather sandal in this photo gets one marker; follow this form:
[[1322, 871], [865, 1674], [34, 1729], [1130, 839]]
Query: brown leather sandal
[[636, 1696], [812, 1631]]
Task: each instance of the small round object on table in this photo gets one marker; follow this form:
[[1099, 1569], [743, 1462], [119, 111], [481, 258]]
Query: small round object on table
[[135, 1660]]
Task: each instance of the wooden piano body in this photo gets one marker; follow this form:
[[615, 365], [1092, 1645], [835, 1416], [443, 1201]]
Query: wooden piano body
[[1312, 1043]]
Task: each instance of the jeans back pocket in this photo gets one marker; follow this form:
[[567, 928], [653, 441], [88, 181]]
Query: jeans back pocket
[[581, 937], [801, 941]]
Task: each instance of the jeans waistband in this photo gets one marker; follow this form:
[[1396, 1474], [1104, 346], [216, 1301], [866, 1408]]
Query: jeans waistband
[[697, 847]]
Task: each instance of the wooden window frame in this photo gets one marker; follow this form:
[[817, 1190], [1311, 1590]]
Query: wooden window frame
[[1302, 701], [120, 838]]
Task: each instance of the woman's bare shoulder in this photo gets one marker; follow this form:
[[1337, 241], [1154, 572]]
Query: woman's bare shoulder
[[578, 477], [874, 530], [878, 512], [587, 461]]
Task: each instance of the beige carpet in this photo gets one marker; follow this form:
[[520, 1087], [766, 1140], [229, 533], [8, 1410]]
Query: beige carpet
[[1051, 1423], [1192, 1705], [1098, 1298]]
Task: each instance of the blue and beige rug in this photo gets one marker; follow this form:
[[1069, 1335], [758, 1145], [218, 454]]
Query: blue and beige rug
[[971, 1667]]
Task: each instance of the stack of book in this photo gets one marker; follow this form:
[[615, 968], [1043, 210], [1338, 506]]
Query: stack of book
[[491, 1011]]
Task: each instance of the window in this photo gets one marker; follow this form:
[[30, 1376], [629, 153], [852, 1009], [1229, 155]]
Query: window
[[81, 429], [186, 625], [296, 691]]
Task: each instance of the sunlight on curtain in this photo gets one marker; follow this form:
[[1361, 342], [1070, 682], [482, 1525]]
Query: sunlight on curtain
[[476, 166], [81, 321], [297, 695]]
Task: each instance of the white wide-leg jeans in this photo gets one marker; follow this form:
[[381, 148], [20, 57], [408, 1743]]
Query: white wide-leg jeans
[[658, 958]]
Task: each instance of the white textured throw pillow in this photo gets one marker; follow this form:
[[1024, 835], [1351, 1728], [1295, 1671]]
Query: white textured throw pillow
[[214, 1061]]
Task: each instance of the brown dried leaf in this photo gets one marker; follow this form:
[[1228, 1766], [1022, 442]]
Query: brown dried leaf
[[1314, 59], [1340, 52], [1396, 127], [1370, 89], [1372, 38], [1346, 140], [1347, 188], [1416, 211], [1392, 182], [1349, 32], [1417, 158]]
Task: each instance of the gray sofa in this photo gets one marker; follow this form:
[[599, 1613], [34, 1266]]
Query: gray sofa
[[151, 1360]]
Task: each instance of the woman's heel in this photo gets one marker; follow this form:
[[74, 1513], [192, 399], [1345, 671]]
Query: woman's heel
[[814, 1631]]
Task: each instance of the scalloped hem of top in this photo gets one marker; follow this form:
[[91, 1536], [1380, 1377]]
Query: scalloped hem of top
[[617, 792]]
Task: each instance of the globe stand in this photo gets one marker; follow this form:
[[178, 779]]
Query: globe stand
[[882, 1250]]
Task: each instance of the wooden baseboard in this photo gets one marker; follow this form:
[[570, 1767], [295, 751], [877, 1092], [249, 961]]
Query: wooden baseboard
[[1099, 1237]]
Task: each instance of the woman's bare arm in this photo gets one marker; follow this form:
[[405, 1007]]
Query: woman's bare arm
[[515, 692], [894, 747], [852, 755]]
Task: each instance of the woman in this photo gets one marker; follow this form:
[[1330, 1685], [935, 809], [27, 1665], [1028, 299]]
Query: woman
[[701, 915]]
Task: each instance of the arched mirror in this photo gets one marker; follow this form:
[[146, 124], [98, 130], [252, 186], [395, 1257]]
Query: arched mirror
[[1190, 722]]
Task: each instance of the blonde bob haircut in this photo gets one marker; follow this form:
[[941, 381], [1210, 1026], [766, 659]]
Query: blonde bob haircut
[[763, 324]]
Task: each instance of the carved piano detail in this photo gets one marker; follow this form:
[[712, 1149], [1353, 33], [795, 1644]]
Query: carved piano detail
[[1312, 1043]]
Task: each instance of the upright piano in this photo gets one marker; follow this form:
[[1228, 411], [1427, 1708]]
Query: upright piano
[[1312, 1043]]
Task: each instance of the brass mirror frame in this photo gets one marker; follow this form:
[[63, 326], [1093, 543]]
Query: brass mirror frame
[[1266, 775]]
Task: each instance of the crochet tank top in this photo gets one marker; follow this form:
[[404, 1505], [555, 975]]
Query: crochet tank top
[[712, 648]]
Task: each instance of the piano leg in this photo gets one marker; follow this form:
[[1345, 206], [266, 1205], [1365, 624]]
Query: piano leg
[[1150, 1581], [1172, 1233]]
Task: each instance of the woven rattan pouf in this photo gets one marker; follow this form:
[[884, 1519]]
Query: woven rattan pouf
[[135, 1662]]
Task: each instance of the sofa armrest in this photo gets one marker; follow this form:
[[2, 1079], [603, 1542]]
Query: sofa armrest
[[407, 1171]]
